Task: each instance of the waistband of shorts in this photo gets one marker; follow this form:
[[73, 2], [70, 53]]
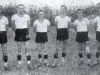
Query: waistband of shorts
[[2, 31], [41, 32], [98, 31], [23, 29], [83, 32], [61, 28]]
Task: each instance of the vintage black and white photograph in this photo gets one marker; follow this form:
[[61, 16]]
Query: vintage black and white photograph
[[49, 37]]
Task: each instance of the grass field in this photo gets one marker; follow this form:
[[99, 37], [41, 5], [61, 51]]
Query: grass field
[[71, 68]]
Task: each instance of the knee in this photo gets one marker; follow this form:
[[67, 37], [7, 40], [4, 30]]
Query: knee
[[87, 43], [4, 49], [4, 46], [98, 48]]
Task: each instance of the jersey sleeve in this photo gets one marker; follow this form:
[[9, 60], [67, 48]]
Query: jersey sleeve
[[13, 18], [95, 20], [56, 19], [48, 23], [75, 23], [28, 17], [87, 21], [69, 19], [35, 23], [6, 21]]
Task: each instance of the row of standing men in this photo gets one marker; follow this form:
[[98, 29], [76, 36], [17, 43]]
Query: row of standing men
[[20, 23]]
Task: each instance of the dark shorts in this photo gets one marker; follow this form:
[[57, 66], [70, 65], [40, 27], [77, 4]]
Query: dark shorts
[[41, 37], [22, 35], [82, 37], [97, 35], [3, 37], [62, 34]]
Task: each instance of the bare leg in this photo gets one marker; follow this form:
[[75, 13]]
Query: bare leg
[[28, 55], [19, 46], [64, 52], [58, 43], [5, 56], [27, 51], [86, 45], [80, 48], [98, 51], [45, 53], [4, 50], [39, 48]]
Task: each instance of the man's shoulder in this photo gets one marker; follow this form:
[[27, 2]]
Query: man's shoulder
[[15, 15]]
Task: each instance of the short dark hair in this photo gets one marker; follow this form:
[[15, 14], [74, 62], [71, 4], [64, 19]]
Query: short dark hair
[[40, 11], [98, 3], [20, 5], [64, 6], [0, 7], [79, 10]]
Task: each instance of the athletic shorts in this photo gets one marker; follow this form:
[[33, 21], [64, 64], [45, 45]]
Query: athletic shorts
[[22, 35], [3, 37], [62, 34], [41, 37], [82, 37], [97, 35]]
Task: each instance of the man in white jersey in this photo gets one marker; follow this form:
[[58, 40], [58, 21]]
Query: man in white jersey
[[62, 24], [21, 25], [96, 23], [40, 26], [3, 38], [82, 27]]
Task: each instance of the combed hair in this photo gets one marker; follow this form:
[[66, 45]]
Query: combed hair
[[20, 5], [64, 6], [79, 10], [0, 7], [40, 11]]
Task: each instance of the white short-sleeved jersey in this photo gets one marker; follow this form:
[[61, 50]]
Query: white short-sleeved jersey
[[97, 20], [20, 22], [62, 22], [41, 27], [82, 26], [3, 23]]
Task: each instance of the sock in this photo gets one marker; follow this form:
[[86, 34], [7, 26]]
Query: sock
[[97, 54], [80, 55], [55, 55], [5, 58], [19, 59], [28, 59], [63, 55], [45, 56], [89, 56], [40, 57]]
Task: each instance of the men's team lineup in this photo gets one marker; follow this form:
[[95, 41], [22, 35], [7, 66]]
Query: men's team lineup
[[20, 24]]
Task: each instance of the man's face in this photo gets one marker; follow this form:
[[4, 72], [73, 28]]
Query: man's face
[[41, 14], [80, 14], [21, 9], [62, 9]]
